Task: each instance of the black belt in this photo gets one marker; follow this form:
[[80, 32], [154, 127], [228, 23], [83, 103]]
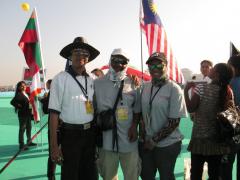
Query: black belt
[[85, 126]]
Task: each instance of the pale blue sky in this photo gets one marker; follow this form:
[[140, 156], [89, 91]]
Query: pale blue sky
[[197, 29]]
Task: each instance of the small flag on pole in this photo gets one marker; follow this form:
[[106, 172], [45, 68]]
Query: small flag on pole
[[233, 50], [157, 38], [30, 45]]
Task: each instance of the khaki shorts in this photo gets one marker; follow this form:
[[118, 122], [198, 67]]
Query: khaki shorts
[[108, 165]]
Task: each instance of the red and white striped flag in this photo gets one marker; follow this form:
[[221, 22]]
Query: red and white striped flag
[[157, 38]]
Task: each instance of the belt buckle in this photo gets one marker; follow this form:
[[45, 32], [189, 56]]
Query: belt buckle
[[86, 126]]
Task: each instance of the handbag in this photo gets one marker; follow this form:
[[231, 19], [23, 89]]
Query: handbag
[[229, 125], [106, 119]]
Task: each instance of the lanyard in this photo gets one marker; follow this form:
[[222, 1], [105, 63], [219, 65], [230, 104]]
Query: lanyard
[[152, 98], [84, 90]]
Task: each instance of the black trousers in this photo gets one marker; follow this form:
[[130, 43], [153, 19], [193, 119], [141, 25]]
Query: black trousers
[[24, 124], [78, 148], [197, 163], [227, 166], [162, 159]]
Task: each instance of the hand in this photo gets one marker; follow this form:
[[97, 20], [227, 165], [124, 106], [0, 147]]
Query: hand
[[132, 133], [142, 131], [135, 80], [149, 144], [56, 155], [189, 85]]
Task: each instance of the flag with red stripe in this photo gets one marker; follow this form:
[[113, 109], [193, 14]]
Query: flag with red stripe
[[157, 38], [132, 71], [29, 43]]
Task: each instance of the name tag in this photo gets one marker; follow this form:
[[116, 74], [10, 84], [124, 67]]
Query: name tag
[[89, 107], [122, 113]]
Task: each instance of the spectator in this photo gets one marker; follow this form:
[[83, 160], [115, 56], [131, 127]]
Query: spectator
[[206, 102], [71, 101], [228, 160], [98, 72], [21, 103], [205, 67], [162, 107], [120, 142]]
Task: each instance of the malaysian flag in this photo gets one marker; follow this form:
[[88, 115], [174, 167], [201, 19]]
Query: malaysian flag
[[157, 40]]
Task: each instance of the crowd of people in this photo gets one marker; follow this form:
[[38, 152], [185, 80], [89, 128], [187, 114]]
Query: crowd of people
[[98, 122]]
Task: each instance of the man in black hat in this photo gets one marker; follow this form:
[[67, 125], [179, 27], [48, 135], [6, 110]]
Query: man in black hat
[[71, 101]]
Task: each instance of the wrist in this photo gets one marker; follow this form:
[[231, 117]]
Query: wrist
[[135, 121], [134, 124], [153, 142], [155, 139]]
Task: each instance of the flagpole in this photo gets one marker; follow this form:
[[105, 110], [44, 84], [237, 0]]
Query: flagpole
[[140, 16], [43, 66], [40, 46]]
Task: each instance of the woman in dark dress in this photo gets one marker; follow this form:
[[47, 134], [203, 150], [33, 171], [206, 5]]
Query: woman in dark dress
[[21, 103]]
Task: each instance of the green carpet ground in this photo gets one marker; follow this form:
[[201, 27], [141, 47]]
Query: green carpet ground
[[32, 164]]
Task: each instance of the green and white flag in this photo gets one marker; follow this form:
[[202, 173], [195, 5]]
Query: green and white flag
[[30, 45]]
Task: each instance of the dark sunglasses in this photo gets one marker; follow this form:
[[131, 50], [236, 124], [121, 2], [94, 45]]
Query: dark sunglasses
[[117, 60], [81, 53], [155, 66]]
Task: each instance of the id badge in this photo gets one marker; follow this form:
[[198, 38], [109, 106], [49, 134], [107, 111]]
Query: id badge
[[122, 113], [89, 107]]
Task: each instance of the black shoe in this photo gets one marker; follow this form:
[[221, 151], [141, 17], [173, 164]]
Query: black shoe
[[51, 178], [32, 144], [23, 148]]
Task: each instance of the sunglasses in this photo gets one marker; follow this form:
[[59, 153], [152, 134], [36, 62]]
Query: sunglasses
[[156, 66], [81, 53], [117, 60]]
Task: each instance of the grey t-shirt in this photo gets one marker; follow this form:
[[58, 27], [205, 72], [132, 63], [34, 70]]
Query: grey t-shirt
[[105, 95], [168, 103]]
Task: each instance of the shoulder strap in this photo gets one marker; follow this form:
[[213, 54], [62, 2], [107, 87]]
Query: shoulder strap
[[118, 96], [114, 131]]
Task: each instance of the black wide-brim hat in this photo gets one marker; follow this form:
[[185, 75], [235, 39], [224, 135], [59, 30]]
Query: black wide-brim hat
[[79, 42]]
